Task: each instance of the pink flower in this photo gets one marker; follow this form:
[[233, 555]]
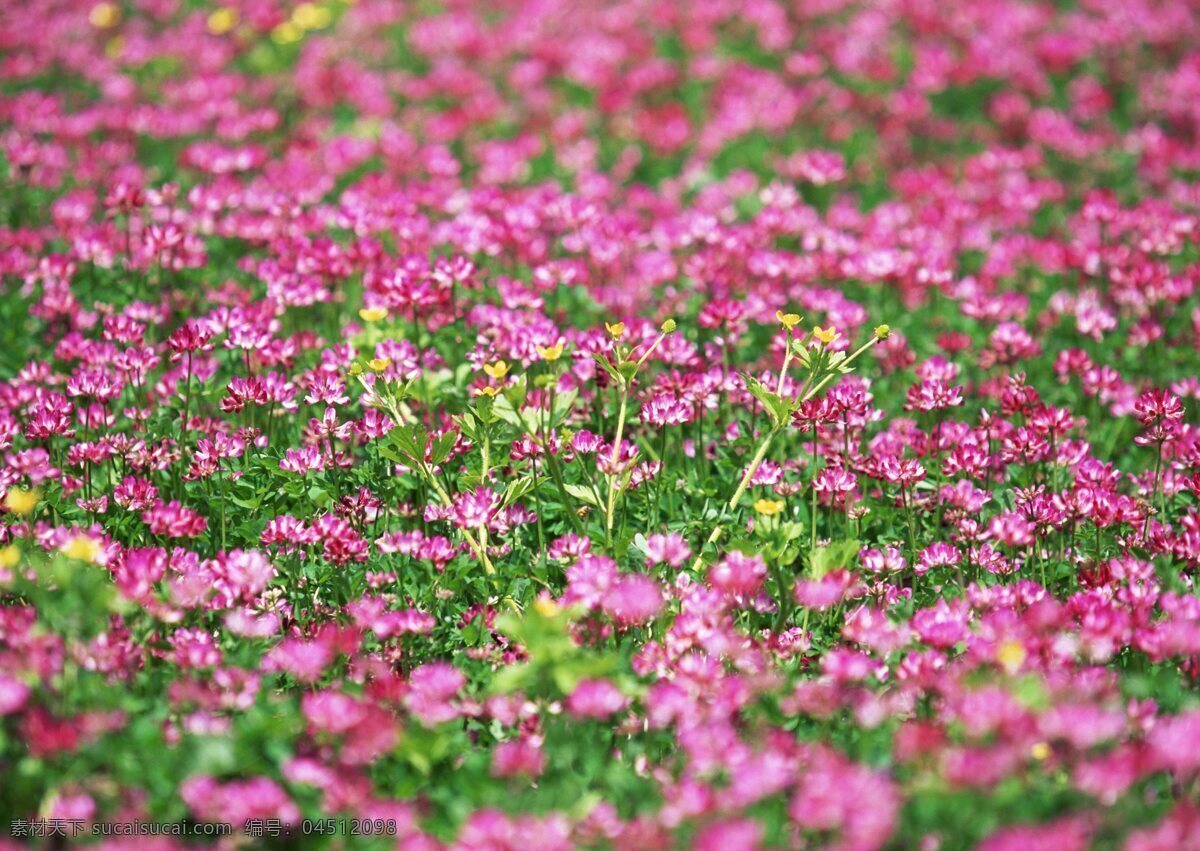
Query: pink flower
[[738, 575], [834, 795], [172, 520], [13, 694], [237, 801], [596, 699], [632, 600], [431, 689], [669, 549], [521, 757]]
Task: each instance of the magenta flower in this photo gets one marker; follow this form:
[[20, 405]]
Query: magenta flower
[[596, 699]]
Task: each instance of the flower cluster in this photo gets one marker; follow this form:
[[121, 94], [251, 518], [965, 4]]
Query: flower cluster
[[480, 420]]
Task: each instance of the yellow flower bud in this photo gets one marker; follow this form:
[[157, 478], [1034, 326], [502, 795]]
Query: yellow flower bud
[[222, 20], [1011, 655], [104, 16], [546, 607], [668, 326], [21, 501], [486, 391], [82, 548], [882, 332], [1040, 751], [287, 33], [356, 369], [9, 557], [310, 16]]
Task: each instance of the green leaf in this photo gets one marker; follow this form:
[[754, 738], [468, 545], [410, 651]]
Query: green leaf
[[517, 488], [584, 494], [513, 678], [444, 446], [777, 408], [410, 441], [524, 419], [604, 364], [837, 554], [562, 407]]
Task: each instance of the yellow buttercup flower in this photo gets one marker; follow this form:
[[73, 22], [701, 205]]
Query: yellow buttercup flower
[[882, 332], [222, 20], [21, 501], [82, 548], [372, 314], [496, 370], [788, 320], [550, 353], [104, 16], [1040, 751], [825, 335], [546, 607], [9, 557], [769, 507], [1011, 655], [379, 364], [486, 391], [287, 33], [615, 330], [310, 16]]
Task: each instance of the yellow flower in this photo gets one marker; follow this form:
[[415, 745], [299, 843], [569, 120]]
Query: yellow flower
[[372, 314], [21, 501], [286, 33], [104, 16], [550, 353], [1011, 655], [668, 326], [1040, 751], [768, 507], [615, 330], [546, 607], [379, 364], [882, 332], [310, 16], [496, 370], [486, 391], [826, 335], [222, 20], [82, 548], [787, 320], [9, 556]]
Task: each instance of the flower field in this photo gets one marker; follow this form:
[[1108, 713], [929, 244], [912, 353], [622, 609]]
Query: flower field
[[612, 424]]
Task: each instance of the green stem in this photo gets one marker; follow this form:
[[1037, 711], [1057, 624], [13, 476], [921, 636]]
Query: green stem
[[755, 463], [612, 477]]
